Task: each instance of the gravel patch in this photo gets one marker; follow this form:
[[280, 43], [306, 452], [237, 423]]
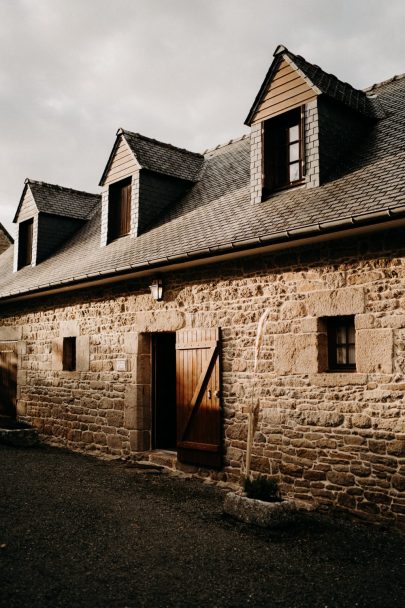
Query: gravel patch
[[80, 532]]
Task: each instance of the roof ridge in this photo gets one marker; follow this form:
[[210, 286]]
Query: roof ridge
[[384, 82], [56, 186], [228, 143], [156, 141], [329, 74]]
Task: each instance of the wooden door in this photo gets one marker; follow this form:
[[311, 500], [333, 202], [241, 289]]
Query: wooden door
[[199, 416], [8, 380]]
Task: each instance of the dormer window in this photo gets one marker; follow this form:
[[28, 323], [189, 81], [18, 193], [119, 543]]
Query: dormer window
[[119, 209], [25, 233], [283, 149]]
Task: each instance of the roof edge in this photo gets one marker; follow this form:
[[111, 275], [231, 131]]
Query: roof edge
[[35, 182], [303, 234], [6, 234], [26, 186], [119, 133], [158, 142]]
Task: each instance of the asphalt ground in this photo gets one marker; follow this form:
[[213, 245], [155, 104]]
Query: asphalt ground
[[77, 532]]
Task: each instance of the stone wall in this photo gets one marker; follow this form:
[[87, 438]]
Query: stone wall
[[330, 438]]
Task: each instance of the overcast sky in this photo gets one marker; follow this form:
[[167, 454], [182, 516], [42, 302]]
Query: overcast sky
[[183, 71]]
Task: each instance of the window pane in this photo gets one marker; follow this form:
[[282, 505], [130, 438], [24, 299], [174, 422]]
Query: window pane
[[341, 355], [341, 334], [294, 133], [69, 354], [352, 355], [294, 152], [294, 172], [351, 334]]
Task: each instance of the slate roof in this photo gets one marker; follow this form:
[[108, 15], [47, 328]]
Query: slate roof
[[216, 215], [57, 200], [161, 157], [6, 234], [328, 84]]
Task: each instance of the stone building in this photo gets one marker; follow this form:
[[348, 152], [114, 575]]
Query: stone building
[[128, 320]]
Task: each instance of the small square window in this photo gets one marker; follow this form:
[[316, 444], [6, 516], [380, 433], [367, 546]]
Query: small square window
[[69, 354], [341, 343]]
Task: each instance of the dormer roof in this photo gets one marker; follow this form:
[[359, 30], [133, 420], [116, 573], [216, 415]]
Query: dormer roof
[[57, 200], [321, 83], [159, 157], [6, 234]]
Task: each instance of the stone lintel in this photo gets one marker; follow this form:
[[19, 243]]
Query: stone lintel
[[338, 379], [335, 302], [10, 334], [159, 320], [69, 329]]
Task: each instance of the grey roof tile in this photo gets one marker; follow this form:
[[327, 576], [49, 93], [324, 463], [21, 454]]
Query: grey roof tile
[[58, 200], [6, 233], [164, 158]]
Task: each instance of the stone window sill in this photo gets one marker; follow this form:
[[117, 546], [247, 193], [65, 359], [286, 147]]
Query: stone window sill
[[338, 378]]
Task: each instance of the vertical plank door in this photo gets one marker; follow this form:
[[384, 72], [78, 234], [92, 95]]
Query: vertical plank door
[[199, 416], [8, 380]]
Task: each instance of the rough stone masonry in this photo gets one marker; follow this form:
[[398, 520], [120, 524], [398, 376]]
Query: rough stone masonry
[[332, 439]]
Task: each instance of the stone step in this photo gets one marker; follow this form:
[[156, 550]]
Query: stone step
[[19, 434], [144, 465], [163, 459]]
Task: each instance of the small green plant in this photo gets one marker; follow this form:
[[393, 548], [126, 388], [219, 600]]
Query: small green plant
[[262, 488]]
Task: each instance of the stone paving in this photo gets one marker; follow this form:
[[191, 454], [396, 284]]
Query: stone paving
[[77, 531]]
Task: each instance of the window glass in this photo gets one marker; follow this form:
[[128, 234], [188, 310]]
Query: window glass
[[69, 354], [294, 152], [341, 343], [119, 209], [341, 334], [25, 242], [294, 133], [283, 151], [294, 172]]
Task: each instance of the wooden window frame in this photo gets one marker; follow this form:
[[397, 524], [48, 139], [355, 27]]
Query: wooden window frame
[[276, 151], [119, 209], [332, 325], [25, 243], [69, 354]]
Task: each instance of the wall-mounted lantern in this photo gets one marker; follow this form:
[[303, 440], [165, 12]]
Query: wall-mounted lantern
[[156, 289]]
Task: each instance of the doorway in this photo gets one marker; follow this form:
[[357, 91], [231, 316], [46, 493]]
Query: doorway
[[164, 435], [8, 380]]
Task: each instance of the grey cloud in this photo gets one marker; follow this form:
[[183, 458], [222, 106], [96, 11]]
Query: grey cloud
[[184, 71]]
